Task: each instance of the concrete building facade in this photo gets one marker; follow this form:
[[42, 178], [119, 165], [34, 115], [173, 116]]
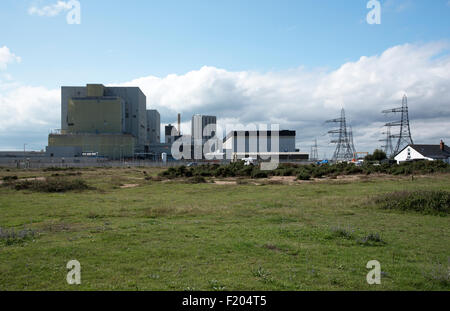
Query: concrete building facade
[[198, 125], [203, 128], [153, 127], [249, 141], [257, 144], [134, 110], [107, 121], [170, 134]]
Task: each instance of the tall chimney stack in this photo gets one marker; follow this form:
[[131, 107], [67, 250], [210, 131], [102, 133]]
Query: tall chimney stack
[[442, 145], [179, 124]]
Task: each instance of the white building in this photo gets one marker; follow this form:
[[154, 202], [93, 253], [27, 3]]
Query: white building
[[424, 152], [256, 144]]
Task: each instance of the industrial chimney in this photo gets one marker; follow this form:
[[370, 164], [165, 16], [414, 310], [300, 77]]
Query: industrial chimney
[[442, 145]]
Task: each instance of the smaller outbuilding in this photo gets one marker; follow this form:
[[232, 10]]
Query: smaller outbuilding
[[424, 152]]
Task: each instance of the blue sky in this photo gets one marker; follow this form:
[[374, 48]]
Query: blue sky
[[212, 47], [121, 40]]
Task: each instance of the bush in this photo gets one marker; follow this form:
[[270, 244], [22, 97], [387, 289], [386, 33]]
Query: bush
[[257, 173], [372, 239], [238, 169], [57, 169], [10, 237], [304, 176], [10, 178], [425, 202], [342, 233], [197, 180], [53, 184]]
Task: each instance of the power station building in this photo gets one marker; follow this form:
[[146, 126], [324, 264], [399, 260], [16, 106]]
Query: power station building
[[257, 144], [153, 127], [203, 128], [110, 122]]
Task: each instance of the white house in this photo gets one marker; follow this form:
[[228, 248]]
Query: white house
[[424, 152]]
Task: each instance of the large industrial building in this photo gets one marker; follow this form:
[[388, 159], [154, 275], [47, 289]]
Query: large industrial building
[[109, 122], [199, 136], [153, 126], [258, 144], [198, 125]]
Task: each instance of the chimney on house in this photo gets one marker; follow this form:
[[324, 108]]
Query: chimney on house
[[442, 145]]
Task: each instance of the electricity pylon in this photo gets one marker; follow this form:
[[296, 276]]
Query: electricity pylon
[[314, 151], [350, 139], [344, 149], [387, 147], [404, 136]]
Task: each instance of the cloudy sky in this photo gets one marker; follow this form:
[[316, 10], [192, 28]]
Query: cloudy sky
[[295, 63]]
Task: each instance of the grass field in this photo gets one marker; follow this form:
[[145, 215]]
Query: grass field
[[130, 233]]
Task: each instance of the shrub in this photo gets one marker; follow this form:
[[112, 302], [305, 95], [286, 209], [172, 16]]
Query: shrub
[[257, 173], [317, 171], [352, 170], [10, 178], [304, 176], [372, 239], [10, 237], [197, 180], [341, 233], [56, 169], [425, 202], [53, 184]]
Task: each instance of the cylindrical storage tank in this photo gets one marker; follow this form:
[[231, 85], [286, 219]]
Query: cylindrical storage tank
[[164, 157]]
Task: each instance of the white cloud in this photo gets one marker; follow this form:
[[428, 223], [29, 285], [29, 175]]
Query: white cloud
[[7, 57], [51, 10], [303, 100], [296, 99], [27, 108]]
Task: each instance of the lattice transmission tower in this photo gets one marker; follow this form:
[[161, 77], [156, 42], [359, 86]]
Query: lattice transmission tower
[[387, 147], [350, 138], [314, 151], [344, 146], [404, 136]]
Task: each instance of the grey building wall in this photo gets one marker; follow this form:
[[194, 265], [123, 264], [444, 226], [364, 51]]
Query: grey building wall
[[135, 112], [135, 109], [169, 134], [153, 126], [242, 141], [67, 92], [63, 151], [198, 124]]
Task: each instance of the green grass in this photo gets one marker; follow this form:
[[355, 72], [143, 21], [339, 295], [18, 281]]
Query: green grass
[[182, 236]]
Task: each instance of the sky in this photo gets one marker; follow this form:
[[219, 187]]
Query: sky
[[295, 63]]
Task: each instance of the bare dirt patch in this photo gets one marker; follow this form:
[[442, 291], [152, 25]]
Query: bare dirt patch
[[225, 182], [129, 186]]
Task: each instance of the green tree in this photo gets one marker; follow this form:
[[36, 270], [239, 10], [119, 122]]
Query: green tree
[[377, 155]]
